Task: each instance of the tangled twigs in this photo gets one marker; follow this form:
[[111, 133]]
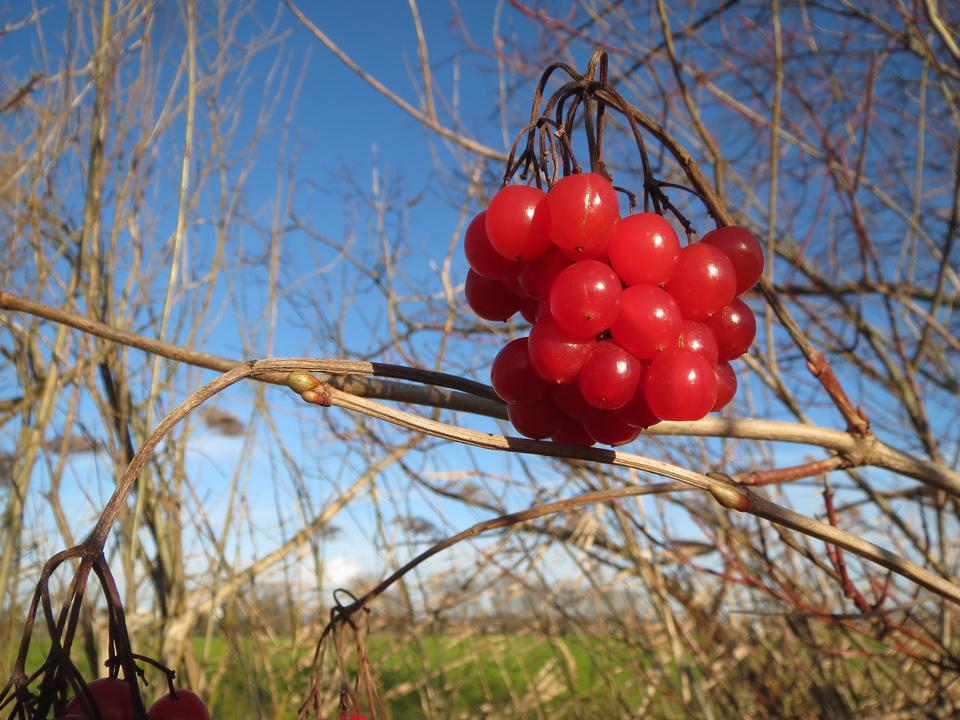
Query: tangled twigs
[[57, 674], [725, 491], [719, 486], [558, 119]]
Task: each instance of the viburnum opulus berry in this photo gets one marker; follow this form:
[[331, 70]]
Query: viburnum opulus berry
[[555, 354], [571, 402], [516, 223], [609, 376], [585, 297], [112, 696], [734, 327], [608, 428], [538, 420], [536, 278], [744, 252], [644, 249], [681, 385], [481, 255], [184, 705], [703, 281], [582, 210], [649, 321], [512, 374], [726, 385], [490, 298], [627, 327], [697, 337]]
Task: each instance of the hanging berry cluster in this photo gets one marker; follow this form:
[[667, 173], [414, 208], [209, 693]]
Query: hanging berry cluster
[[628, 326]]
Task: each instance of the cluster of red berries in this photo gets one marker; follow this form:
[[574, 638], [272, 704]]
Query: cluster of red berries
[[629, 328], [115, 702]]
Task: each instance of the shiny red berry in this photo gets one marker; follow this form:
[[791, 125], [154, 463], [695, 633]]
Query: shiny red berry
[[726, 386], [697, 337], [555, 354], [482, 256], [537, 420], [644, 249], [609, 376], [516, 222], [703, 282], [573, 432], [583, 210], [648, 322], [744, 251], [585, 298], [608, 429], [113, 697], [184, 706], [490, 298], [680, 385], [513, 377], [537, 276], [637, 411], [734, 328], [571, 401]]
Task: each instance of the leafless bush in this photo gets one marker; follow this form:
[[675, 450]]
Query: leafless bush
[[830, 129]]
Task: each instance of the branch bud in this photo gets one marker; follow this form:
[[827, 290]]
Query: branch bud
[[730, 497], [301, 381]]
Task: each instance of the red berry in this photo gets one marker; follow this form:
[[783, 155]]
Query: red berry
[[637, 412], [512, 375], [573, 432], [571, 402], [516, 222], [185, 706], [734, 327], [482, 256], [703, 282], [585, 298], [680, 385], [726, 386], [555, 354], [608, 429], [529, 309], [113, 697], [744, 251], [697, 337], [537, 276], [609, 376], [512, 284], [644, 249], [583, 209], [649, 321], [489, 298], [537, 420]]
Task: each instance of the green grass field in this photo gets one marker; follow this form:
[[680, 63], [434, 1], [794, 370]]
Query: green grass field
[[450, 676], [503, 676]]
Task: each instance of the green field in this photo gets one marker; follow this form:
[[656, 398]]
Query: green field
[[446, 676], [453, 676]]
